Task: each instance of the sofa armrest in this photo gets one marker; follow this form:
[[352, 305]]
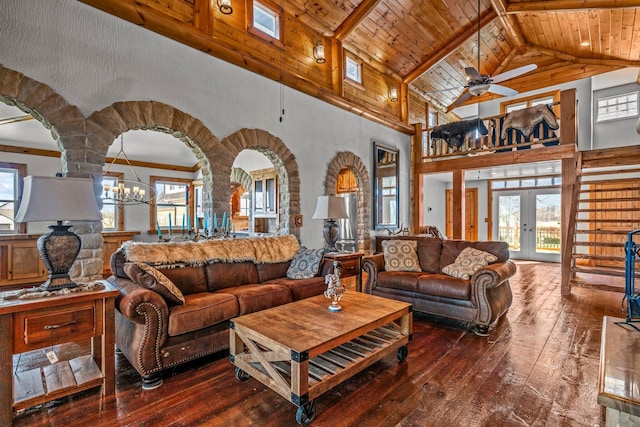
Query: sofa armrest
[[139, 304], [372, 264], [493, 275]]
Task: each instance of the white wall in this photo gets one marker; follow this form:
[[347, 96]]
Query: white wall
[[435, 209], [614, 133], [93, 59]]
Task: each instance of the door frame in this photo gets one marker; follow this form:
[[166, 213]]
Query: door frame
[[471, 213]]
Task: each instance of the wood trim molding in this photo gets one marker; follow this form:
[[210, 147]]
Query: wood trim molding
[[562, 5], [358, 14]]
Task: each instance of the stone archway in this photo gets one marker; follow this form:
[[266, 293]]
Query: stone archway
[[285, 165], [68, 129], [345, 159], [105, 125]]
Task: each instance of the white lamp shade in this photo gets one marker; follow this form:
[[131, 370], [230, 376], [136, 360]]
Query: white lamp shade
[[331, 207], [58, 199]]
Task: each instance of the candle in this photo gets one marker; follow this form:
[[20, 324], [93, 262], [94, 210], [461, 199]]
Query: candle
[[182, 231], [188, 223], [228, 224], [204, 223], [158, 228], [215, 221], [233, 226], [224, 220], [170, 223]]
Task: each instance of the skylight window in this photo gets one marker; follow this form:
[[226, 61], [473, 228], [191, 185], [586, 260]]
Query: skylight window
[[266, 20], [617, 107]]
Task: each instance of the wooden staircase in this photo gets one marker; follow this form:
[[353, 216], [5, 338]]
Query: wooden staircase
[[605, 208]]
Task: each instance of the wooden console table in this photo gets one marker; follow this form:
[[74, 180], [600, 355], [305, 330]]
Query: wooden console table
[[619, 379], [27, 325], [351, 265]]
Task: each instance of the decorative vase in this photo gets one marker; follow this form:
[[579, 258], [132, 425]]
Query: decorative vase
[[335, 290]]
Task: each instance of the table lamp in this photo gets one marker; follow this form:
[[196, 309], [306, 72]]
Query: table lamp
[[58, 199], [330, 208]]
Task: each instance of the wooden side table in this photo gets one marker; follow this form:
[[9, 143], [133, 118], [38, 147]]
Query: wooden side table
[[27, 325], [351, 265]]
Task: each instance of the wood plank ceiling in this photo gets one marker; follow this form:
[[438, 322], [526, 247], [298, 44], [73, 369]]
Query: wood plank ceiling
[[421, 46]]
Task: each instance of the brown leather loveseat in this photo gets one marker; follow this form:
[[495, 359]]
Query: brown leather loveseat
[[218, 280], [482, 299]]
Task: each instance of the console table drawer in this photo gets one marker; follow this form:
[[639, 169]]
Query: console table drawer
[[51, 327], [350, 268]]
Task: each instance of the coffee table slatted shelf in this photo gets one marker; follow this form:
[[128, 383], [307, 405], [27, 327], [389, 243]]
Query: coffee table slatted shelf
[[302, 363]]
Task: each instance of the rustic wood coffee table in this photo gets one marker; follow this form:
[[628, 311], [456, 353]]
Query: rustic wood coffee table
[[301, 349]]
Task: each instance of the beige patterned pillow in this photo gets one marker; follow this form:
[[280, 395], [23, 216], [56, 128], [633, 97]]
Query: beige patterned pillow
[[468, 262], [400, 255], [150, 278]]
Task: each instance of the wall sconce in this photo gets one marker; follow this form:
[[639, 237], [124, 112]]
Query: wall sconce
[[318, 53], [225, 6], [393, 94]]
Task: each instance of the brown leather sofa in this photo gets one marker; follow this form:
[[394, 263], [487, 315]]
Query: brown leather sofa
[[155, 335], [481, 300]]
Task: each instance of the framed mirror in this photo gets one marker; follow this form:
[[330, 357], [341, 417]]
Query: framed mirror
[[385, 187]]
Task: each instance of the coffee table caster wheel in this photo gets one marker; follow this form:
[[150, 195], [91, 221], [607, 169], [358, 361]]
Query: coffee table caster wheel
[[306, 413], [402, 353], [242, 375]]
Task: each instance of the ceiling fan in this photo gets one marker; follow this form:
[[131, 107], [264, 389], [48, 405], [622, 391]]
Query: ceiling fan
[[479, 84]]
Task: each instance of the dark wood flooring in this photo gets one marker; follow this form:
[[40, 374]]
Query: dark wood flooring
[[539, 367]]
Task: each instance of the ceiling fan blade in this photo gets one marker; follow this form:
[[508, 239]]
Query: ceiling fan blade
[[502, 90], [473, 74], [513, 73], [465, 95]]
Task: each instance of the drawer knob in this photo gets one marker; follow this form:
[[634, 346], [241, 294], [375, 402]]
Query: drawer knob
[[62, 325]]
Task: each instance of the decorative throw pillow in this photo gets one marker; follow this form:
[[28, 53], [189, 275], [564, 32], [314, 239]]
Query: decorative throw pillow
[[468, 262], [150, 278], [400, 255], [305, 264]]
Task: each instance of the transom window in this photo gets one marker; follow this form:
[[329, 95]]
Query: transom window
[[266, 20], [353, 70], [516, 183], [617, 107], [530, 103], [548, 98]]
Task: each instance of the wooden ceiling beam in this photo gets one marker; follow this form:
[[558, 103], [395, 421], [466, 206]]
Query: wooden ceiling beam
[[449, 48], [352, 21], [564, 5], [585, 61], [509, 23]]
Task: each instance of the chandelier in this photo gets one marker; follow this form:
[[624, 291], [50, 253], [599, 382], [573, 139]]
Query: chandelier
[[128, 191]]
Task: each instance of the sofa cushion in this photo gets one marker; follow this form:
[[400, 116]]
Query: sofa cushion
[[200, 311], [469, 260], [444, 286], [451, 249], [268, 272], [406, 281], [150, 278], [400, 255], [221, 275], [429, 254], [301, 288], [258, 297], [189, 279], [305, 264]]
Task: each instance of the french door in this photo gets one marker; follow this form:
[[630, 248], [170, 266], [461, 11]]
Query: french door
[[529, 221]]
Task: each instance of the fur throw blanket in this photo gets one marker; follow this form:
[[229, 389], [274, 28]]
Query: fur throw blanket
[[267, 250]]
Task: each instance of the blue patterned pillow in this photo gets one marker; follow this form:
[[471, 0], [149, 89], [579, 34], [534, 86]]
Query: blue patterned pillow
[[305, 264]]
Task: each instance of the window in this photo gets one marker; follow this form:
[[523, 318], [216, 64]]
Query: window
[[245, 204], [518, 104], [112, 213], [517, 183], [266, 20], [11, 176], [172, 209], [617, 107], [433, 118], [353, 70]]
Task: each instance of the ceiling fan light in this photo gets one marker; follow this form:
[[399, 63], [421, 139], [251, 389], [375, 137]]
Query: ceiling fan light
[[478, 90]]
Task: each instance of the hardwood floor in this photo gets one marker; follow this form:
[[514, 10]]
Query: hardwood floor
[[539, 367]]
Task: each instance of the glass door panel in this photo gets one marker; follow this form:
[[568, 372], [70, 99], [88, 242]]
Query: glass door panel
[[509, 220], [547, 226]]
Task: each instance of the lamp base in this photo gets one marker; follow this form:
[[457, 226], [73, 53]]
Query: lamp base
[[58, 250], [331, 231]]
